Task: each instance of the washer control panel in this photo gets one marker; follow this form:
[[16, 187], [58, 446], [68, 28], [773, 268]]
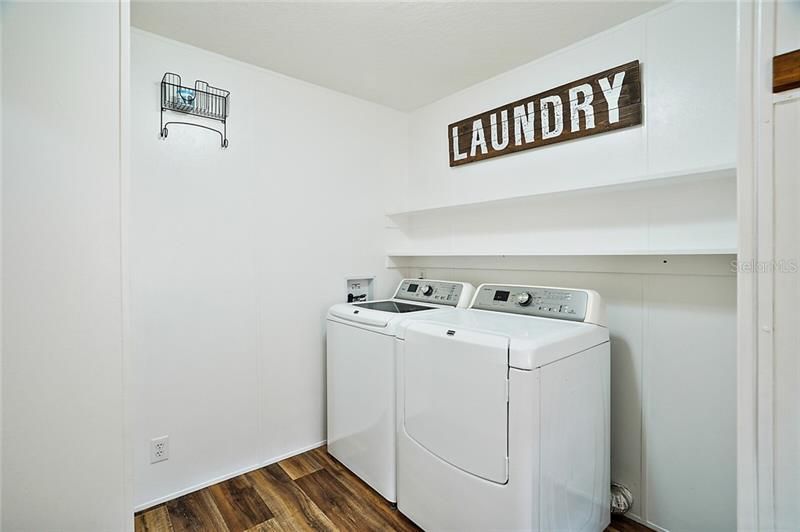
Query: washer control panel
[[544, 302], [427, 291]]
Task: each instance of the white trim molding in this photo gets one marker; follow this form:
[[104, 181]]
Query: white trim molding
[[746, 472], [124, 225], [755, 292]]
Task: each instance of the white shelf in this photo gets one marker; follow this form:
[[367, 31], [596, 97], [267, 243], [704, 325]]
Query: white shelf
[[647, 182], [676, 262], [643, 253]]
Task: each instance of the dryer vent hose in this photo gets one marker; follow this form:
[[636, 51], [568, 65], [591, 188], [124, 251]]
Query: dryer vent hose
[[621, 499]]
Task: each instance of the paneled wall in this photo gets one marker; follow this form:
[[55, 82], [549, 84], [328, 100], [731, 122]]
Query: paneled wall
[[692, 215], [236, 256], [63, 431], [787, 30], [655, 205], [687, 51], [786, 315], [787, 285], [1, 264], [673, 415]]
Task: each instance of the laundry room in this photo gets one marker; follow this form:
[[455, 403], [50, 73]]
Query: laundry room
[[399, 266]]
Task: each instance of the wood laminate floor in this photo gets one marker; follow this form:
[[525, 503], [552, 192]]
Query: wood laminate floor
[[310, 491]]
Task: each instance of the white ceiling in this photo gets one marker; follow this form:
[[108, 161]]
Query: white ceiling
[[403, 55]]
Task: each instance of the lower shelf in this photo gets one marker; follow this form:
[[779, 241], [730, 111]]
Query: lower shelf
[[647, 253], [720, 262]]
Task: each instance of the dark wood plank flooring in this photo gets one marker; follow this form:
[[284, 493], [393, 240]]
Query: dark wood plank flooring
[[310, 491]]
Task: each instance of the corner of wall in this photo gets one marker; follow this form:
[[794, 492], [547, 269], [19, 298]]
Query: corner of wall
[[124, 198], [1, 266]]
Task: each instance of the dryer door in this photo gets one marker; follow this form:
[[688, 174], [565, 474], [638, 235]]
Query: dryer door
[[455, 386]]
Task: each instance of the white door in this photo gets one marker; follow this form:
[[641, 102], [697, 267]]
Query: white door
[[455, 397]]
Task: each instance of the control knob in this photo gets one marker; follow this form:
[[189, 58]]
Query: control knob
[[524, 299], [427, 290]]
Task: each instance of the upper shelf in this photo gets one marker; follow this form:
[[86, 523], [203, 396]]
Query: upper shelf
[[678, 215], [653, 181]]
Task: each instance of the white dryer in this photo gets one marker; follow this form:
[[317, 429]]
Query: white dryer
[[503, 413], [361, 375]]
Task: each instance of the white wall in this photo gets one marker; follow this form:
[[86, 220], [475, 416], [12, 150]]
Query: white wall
[[787, 287], [61, 302], [1, 264], [227, 348], [235, 257], [787, 336], [681, 216], [673, 373], [787, 30], [687, 51], [673, 325]]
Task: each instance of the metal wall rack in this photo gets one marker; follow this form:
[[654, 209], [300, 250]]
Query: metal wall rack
[[202, 100]]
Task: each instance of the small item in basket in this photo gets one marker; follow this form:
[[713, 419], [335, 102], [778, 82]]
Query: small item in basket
[[187, 96]]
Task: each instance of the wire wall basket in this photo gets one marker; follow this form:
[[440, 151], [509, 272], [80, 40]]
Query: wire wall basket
[[202, 100]]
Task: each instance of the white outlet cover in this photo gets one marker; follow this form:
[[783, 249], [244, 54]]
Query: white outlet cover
[[159, 449]]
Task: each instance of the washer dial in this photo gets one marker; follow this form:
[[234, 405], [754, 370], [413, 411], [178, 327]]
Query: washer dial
[[524, 299]]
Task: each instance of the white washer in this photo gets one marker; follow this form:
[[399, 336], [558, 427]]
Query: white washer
[[361, 375], [503, 413]]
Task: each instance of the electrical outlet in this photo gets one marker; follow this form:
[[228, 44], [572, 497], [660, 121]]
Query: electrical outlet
[[159, 449]]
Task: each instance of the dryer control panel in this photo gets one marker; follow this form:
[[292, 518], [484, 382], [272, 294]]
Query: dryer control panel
[[438, 292], [542, 301]]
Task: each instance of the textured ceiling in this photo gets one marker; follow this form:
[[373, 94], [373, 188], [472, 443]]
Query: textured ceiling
[[403, 55]]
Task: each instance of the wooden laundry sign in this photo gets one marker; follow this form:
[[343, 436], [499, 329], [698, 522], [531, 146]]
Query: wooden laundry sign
[[595, 104]]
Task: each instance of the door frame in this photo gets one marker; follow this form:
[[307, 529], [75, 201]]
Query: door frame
[[755, 291]]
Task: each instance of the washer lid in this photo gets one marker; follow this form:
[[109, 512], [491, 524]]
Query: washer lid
[[396, 307], [377, 314], [373, 318], [533, 341]]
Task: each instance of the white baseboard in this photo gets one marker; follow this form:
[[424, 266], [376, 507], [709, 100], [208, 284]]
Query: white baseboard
[[217, 480], [645, 522]]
